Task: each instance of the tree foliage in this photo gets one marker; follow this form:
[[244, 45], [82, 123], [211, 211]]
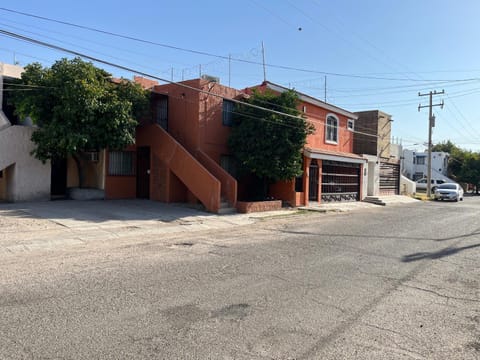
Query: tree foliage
[[268, 144], [78, 108], [463, 165]]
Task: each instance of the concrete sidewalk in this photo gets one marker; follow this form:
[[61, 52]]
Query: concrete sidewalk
[[389, 200], [28, 226], [53, 224]]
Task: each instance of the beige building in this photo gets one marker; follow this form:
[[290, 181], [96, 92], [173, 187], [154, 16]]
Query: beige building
[[22, 177], [373, 131]]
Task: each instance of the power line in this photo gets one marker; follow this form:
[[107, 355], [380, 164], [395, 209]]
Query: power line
[[203, 53], [52, 46]]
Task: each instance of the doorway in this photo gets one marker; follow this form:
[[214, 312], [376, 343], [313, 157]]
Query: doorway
[[313, 181], [143, 172], [58, 179]]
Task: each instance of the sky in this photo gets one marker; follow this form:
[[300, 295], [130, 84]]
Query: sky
[[355, 54]]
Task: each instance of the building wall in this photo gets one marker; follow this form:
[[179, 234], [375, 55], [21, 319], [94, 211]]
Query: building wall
[[117, 186], [26, 178], [410, 165], [94, 172], [195, 119], [377, 124], [318, 117]]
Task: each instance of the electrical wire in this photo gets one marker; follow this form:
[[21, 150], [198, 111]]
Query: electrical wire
[[283, 67]]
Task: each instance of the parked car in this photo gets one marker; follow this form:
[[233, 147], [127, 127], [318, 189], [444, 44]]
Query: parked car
[[449, 191], [422, 184]]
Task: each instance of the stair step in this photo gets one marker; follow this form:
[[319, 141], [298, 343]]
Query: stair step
[[224, 204], [227, 210], [374, 200]]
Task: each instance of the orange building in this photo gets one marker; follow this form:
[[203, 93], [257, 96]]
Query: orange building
[[331, 171], [181, 152]]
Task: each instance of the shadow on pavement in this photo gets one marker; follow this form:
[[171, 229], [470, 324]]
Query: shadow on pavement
[[437, 254], [98, 211]]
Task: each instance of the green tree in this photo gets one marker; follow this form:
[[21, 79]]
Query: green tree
[[78, 108], [269, 144], [470, 170], [463, 165], [456, 159]]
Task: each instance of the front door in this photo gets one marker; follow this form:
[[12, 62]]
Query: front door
[[143, 172], [58, 183], [313, 181]]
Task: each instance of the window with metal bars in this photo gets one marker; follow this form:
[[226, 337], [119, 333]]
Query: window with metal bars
[[121, 163]]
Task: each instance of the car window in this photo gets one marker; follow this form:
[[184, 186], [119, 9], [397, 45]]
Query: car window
[[448, 186], [440, 181], [423, 181]]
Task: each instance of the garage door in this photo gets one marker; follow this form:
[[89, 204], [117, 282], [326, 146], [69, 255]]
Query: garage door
[[340, 181]]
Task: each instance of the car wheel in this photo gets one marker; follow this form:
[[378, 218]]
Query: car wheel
[[434, 188]]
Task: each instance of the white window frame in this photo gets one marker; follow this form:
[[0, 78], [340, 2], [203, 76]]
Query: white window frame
[[327, 132]]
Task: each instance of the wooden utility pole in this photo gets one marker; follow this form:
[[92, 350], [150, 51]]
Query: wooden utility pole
[[431, 125]]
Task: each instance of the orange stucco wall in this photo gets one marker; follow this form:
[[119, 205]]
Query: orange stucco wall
[[176, 175], [195, 118], [119, 187], [317, 116], [284, 190]]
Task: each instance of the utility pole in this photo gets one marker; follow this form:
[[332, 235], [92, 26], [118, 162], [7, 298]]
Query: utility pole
[[431, 125]]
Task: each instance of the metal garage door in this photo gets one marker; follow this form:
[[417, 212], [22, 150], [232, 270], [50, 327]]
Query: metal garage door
[[389, 179], [340, 181]]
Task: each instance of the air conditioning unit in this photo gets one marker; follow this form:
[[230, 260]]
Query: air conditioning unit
[[91, 156]]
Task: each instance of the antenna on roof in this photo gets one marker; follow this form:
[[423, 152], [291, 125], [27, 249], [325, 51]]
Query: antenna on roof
[[263, 61]]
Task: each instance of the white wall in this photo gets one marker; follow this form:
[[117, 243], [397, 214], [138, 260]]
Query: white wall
[[27, 178], [439, 164], [407, 186]]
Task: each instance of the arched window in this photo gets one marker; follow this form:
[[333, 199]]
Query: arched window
[[331, 129]]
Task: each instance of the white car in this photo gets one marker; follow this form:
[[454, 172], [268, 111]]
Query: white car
[[422, 184], [449, 191]]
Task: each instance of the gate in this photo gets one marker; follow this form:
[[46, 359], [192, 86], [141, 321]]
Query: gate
[[389, 179], [313, 181], [340, 181]]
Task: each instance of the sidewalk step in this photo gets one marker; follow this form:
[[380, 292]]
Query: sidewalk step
[[374, 200], [225, 208]]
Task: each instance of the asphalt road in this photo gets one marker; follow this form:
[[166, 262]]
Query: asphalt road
[[395, 282]]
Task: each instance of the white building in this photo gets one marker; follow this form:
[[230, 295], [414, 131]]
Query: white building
[[22, 177], [414, 164]]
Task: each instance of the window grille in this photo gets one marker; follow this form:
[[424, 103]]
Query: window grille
[[121, 163], [227, 116]]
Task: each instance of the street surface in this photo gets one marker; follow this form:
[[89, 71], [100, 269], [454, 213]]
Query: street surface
[[394, 282]]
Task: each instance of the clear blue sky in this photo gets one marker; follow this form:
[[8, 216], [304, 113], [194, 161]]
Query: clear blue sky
[[376, 54]]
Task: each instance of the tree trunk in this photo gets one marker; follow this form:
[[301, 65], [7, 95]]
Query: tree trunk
[[81, 173]]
